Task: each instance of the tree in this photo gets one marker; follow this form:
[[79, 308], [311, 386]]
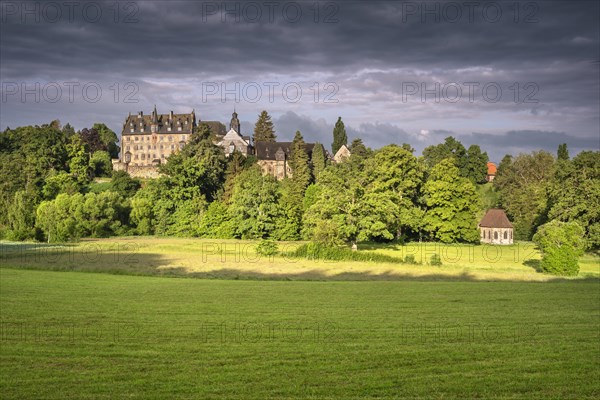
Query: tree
[[263, 130], [59, 218], [561, 243], [92, 140], [318, 160], [358, 148], [216, 223], [476, 165], [198, 169], [68, 131], [101, 164], [21, 216], [562, 153], [339, 136], [109, 139], [60, 182], [395, 170], [299, 164], [504, 165], [254, 205], [452, 205], [451, 148], [289, 219], [349, 207], [523, 187], [124, 185], [236, 164], [79, 160], [575, 194]]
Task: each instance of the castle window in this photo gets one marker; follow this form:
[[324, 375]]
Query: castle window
[[136, 138], [161, 146], [136, 157], [154, 147], [143, 156], [127, 148], [131, 130], [179, 128], [162, 156], [496, 235], [168, 129], [511, 235], [172, 147], [505, 235], [149, 147], [170, 138], [182, 137], [142, 129]]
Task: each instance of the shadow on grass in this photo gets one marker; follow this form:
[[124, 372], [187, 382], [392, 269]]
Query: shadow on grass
[[535, 264], [128, 260]]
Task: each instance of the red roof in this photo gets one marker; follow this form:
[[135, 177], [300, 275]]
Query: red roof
[[495, 218], [491, 168]]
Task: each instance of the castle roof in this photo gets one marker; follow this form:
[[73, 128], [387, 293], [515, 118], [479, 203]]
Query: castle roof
[[491, 168], [141, 124], [495, 218]]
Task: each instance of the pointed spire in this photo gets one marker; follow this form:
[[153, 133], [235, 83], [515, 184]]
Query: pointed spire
[[154, 115], [235, 122]]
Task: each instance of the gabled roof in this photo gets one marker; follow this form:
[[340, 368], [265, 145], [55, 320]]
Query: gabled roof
[[267, 150], [495, 218], [232, 135]]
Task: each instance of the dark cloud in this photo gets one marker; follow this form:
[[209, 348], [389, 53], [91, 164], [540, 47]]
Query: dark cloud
[[370, 50]]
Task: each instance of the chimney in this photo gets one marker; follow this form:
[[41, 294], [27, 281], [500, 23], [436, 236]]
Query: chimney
[[171, 115]]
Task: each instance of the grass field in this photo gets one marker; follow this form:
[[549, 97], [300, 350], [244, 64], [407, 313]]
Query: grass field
[[231, 259], [70, 335], [484, 325]]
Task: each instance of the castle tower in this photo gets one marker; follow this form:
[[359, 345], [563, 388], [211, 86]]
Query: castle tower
[[154, 126], [235, 123]]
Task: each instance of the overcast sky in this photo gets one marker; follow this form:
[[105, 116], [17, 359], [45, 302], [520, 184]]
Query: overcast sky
[[511, 77]]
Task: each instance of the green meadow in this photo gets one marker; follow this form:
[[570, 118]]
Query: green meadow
[[113, 319]]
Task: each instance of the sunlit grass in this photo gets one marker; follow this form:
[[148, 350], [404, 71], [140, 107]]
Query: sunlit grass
[[235, 259]]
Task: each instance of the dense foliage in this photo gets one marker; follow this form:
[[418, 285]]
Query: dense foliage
[[561, 243], [386, 194]]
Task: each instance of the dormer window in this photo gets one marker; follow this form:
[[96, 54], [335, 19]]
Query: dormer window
[[179, 128], [131, 130], [168, 129]]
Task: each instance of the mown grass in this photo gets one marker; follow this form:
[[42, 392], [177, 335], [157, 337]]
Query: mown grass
[[233, 259], [69, 335]]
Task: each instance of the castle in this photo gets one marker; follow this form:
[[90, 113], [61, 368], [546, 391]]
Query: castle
[[148, 140]]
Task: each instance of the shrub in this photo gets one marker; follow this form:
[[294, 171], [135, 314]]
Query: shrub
[[410, 259], [561, 244], [267, 247], [435, 260], [319, 251]]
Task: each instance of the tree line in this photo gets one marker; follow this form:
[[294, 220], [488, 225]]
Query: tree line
[[49, 192]]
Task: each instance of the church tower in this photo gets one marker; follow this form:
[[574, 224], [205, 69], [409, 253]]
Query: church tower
[[235, 123]]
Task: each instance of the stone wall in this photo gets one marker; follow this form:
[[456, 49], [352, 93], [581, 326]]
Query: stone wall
[[136, 171], [496, 235], [278, 168]]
